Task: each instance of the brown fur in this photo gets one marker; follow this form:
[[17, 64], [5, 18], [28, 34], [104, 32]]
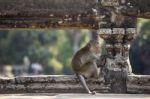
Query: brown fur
[[84, 62]]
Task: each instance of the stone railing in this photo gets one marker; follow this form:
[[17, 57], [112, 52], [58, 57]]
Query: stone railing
[[49, 84], [138, 83], [68, 84]]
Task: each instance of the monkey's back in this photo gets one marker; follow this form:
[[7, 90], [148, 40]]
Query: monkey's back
[[79, 59]]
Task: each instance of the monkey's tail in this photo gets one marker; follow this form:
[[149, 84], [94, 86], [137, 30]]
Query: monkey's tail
[[83, 83]]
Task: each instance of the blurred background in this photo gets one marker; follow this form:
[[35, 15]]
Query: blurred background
[[139, 53], [32, 52], [49, 52]]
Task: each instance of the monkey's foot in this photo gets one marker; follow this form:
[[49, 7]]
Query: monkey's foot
[[92, 93]]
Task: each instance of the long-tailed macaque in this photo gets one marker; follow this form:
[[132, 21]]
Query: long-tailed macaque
[[84, 63]]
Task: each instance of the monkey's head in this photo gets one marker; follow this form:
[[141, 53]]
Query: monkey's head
[[94, 46]]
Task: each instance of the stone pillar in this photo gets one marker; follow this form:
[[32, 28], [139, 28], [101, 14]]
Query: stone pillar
[[116, 69], [117, 38]]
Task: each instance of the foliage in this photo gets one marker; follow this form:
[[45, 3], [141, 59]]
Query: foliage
[[140, 48], [51, 48]]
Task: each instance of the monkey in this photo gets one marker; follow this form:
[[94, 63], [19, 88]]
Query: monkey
[[84, 63]]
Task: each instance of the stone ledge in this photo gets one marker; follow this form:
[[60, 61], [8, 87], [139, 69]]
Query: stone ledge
[[68, 84], [138, 83], [49, 83]]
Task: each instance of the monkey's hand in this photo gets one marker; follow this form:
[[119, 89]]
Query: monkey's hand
[[96, 56]]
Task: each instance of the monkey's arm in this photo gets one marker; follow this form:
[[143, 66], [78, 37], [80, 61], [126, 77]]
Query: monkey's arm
[[90, 58], [83, 82], [101, 62]]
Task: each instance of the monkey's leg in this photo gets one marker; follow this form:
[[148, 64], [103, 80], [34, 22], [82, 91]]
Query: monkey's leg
[[83, 82], [96, 70]]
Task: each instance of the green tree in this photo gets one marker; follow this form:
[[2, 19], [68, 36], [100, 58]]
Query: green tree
[[51, 48]]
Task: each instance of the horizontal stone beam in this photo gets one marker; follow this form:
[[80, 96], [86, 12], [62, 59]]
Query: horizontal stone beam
[[133, 8], [47, 13], [49, 84], [64, 13], [137, 8]]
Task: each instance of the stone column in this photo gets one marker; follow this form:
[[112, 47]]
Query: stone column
[[116, 69], [117, 38]]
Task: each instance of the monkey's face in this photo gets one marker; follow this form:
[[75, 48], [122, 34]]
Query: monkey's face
[[95, 47]]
